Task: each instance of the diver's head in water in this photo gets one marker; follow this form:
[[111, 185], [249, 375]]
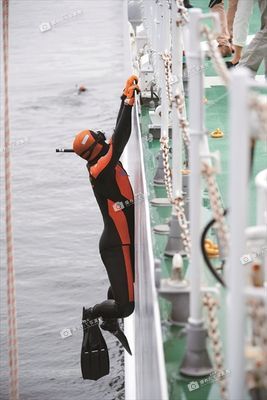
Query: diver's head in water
[[82, 89], [90, 145]]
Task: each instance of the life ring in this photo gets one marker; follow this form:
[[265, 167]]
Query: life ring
[[211, 249], [217, 134]]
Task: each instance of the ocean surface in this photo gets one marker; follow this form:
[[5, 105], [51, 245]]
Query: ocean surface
[[57, 224]]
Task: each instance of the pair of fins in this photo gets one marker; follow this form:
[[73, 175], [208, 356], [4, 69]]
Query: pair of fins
[[94, 352]]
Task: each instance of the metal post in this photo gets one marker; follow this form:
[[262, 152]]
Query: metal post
[[196, 361], [164, 44], [196, 118], [238, 195], [156, 37], [177, 71], [154, 34], [146, 21], [175, 244], [156, 11], [261, 184]]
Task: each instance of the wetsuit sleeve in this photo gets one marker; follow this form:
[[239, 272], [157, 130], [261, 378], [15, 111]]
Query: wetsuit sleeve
[[118, 142], [122, 132], [123, 97]]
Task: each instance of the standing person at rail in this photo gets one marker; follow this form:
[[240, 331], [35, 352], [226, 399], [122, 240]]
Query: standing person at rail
[[238, 15], [223, 38], [256, 52], [114, 195]]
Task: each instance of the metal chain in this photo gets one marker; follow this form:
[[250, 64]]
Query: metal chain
[[178, 99], [182, 13], [217, 209], [164, 146], [166, 57], [164, 141], [258, 315], [184, 224], [177, 201], [213, 329], [183, 122]]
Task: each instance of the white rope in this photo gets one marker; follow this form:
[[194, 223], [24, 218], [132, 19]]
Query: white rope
[[11, 294]]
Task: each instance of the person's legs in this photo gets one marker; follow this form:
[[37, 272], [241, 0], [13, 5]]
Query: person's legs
[[240, 28], [263, 10], [223, 38], [256, 52], [230, 16], [119, 264]]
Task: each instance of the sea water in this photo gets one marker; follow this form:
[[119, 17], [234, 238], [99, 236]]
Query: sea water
[[56, 46]]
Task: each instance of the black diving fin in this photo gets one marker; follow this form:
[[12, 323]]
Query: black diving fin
[[112, 326], [94, 352]]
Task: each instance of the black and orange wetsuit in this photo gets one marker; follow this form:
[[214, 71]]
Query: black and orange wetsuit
[[113, 192]]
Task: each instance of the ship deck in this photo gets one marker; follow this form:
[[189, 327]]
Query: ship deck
[[216, 116]]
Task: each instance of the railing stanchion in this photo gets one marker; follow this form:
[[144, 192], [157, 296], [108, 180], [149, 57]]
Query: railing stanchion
[[196, 361], [239, 150]]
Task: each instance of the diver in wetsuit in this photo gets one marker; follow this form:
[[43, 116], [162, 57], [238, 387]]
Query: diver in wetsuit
[[113, 192]]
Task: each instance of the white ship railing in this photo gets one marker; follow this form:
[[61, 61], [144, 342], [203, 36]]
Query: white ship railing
[[149, 364], [145, 376]]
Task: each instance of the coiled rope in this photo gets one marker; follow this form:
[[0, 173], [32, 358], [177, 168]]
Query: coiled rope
[[11, 294]]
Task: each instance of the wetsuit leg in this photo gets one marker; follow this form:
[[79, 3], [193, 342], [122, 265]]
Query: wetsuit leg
[[110, 295], [119, 264]]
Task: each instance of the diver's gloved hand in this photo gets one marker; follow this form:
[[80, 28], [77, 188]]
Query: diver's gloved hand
[[130, 95], [132, 80]]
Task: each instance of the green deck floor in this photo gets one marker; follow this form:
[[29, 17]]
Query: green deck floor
[[216, 117]]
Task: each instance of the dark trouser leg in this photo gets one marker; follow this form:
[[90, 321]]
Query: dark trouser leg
[[119, 265]]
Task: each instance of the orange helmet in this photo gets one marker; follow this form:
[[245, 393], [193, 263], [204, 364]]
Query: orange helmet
[[87, 144]]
